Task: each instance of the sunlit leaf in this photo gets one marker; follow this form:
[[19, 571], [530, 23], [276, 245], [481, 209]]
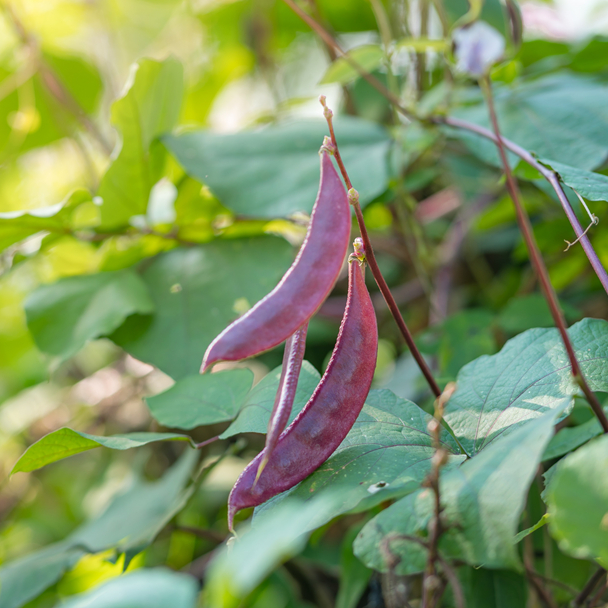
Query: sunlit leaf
[[149, 108], [66, 442], [528, 377]]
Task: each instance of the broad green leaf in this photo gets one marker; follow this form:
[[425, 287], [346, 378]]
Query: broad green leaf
[[563, 117], [570, 438], [135, 517], [387, 453], [529, 376], [149, 108], [368, 56], [577, 499], [65, 315], [257, 406], [196, 293], [240, 567], [66, 442], [486, 588], [483, 500], [148, 588], [129, 523], [198, 400], [274, 172], [593, 186], [24, 579]]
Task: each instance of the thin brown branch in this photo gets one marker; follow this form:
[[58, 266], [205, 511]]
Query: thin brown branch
[[373, 264], [539, 264], [587, 590], [600, 592]]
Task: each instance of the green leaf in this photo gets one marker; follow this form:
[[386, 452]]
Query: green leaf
[[483, 500], [149, 108], [570, 438], [129, 523], [148, 588], [368, 56], [196, 293], [529, 376], [486, 588], [24, 579], [135, 517], [65, 315], [592, 186], [66, 442], [386, 454], [564, 117], [274, 172], [271, 540], [255, 412], [576, 498], [199, 400]]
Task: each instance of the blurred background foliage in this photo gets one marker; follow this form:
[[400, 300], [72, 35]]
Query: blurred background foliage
[[104, 166]]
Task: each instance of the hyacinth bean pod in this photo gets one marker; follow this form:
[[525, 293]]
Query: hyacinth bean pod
[[329, 414], [304, 286], [290, 372]]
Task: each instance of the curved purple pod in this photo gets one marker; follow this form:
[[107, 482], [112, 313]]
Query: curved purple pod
[[329, 414], [290, 373], [304, 286]]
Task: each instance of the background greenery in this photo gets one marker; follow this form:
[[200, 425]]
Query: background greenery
[[156, 158]]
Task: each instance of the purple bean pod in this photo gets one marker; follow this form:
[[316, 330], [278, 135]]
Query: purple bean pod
[[290, 373], [304, 286], [329, 414]]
